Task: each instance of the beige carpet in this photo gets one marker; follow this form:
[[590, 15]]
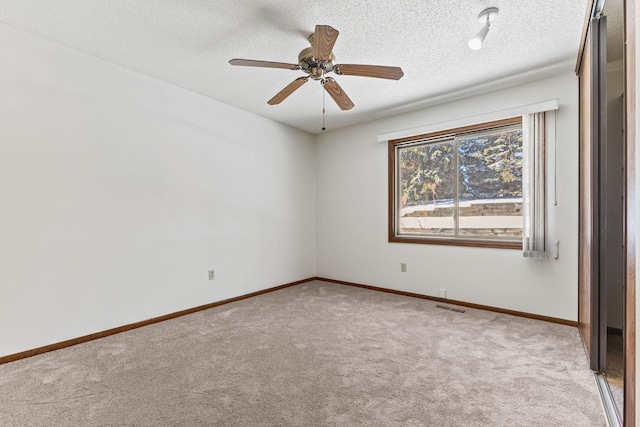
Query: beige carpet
[[316, 354]]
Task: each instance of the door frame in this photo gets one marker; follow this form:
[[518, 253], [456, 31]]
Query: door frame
[[630, 124]]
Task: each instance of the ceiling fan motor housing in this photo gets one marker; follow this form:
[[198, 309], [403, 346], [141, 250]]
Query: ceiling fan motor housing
[[315, 68]]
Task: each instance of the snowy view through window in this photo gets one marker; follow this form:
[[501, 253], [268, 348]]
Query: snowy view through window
[[485, 170]]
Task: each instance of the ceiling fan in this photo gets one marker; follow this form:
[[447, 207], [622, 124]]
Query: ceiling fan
[[317, 61]]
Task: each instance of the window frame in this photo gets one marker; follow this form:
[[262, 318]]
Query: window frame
[[393, 187]]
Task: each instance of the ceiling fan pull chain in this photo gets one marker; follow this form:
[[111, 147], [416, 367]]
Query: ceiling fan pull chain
[[323, 110]]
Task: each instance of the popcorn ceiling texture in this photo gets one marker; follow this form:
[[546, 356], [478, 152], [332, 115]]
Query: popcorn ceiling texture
[[188, 43]]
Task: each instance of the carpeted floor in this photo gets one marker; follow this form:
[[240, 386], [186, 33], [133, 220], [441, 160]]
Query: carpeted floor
[[316, 354]]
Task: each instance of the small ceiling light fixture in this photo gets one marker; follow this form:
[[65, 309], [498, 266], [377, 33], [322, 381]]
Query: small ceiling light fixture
[[484, 17]]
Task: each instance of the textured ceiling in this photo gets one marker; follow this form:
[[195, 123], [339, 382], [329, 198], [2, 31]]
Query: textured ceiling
[[189, 42]]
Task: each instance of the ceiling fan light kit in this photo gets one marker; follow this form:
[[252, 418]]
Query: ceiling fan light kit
[[484, 17], [318, 60]]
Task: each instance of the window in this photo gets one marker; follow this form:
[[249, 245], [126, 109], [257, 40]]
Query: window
[[458, 187]]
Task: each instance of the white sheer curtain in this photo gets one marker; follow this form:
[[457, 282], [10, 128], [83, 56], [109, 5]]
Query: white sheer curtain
[[534, 185]]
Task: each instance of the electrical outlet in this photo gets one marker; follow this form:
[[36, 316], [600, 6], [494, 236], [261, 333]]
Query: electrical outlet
[[212, 274], [443, 293], [403, 267]]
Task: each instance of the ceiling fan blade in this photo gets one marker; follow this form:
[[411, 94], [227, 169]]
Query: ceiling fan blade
[[336, 92], [323, 40], [288, 90], [379, 71], [266, 64]]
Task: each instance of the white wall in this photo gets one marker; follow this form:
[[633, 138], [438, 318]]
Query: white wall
[[118, 192], [352, 215]]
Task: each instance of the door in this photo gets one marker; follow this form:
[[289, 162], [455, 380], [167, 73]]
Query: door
[[602, 263], [593, 180]]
